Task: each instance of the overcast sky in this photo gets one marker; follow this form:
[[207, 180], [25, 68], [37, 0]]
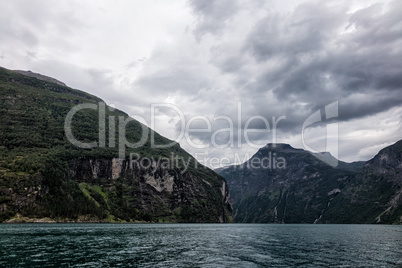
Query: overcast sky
[[275, 60]]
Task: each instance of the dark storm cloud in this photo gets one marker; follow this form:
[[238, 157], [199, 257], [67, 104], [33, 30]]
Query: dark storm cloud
[[363, 105], [320, 64], [277, 58], [304, 31], [212, 15], [311, 57]]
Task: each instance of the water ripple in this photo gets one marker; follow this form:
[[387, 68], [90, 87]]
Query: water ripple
[[200, 245]]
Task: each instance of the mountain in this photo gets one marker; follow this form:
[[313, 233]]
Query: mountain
[[375, 194], [40, 77], [287, 185], [44, 177], [284, 185]]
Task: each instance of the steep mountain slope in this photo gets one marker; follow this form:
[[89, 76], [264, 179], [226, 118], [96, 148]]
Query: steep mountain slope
[[42, 174], [283, 184], [375, 194], [40, 77], [293, 186]]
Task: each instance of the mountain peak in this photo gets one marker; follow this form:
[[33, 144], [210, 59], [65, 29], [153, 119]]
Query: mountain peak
[[66, 182], [278, 146], [40, 77]]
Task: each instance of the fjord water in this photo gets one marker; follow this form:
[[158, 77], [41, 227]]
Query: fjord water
[[200, 245]]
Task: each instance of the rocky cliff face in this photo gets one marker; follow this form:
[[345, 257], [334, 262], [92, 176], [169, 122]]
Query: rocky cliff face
[[375, 194], [157, 191], [93, 190], [307, 190], [44, 176], [283, 184]]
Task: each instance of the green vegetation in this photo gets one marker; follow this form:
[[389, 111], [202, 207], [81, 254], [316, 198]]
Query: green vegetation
[[43, 175], [309, 190]]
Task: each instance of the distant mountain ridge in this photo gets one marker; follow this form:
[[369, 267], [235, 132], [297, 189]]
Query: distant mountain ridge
[[311, 191], [40, 77]]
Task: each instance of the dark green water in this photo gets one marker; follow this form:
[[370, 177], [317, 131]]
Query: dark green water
[[200, 245]]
